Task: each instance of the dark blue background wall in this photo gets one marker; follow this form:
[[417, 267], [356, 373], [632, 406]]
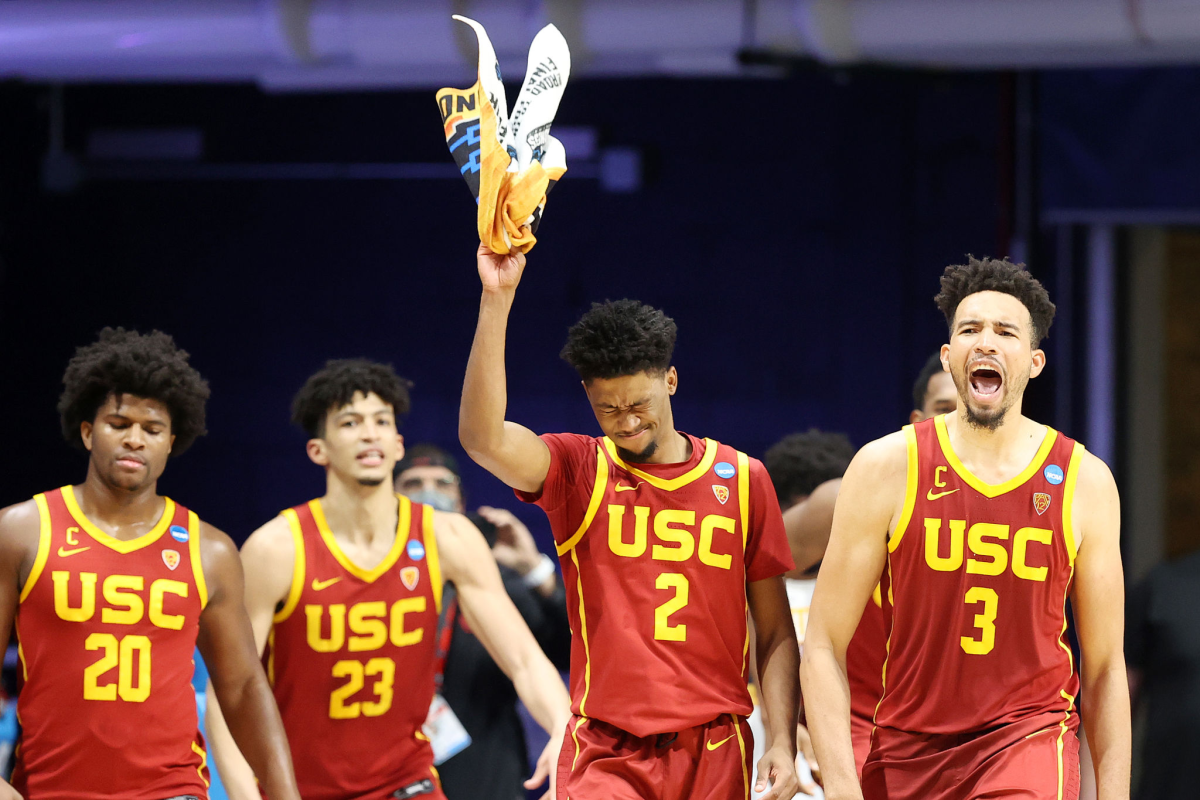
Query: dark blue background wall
[[795, 230]]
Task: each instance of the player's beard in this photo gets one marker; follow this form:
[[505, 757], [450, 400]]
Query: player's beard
[[370, 481], [638, 458], [990, 419]]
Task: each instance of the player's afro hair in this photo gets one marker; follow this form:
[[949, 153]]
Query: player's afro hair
[[334, 385], [800, 462], [921, 385], [620, 337], [147, 365], [996, 275]]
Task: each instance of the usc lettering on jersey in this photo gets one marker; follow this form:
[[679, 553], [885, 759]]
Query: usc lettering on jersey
[[351, 658], [655, 560], [977, 577], [107, 630]]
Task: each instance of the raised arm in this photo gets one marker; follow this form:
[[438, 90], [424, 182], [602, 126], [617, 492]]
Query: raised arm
[[1098, 603], [467, 562], [242, 716], [870, 498], [511, 452]]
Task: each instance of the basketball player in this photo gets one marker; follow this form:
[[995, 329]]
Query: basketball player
[[986, 522], [664, 539], [346, 599], [933, 391], [113, 586]]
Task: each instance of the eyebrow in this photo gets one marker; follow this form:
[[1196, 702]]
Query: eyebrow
[[1001, 324]]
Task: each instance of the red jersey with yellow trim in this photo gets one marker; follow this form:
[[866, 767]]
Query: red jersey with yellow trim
[[107, 629], [351, 658], [655, 561], [978, 576]]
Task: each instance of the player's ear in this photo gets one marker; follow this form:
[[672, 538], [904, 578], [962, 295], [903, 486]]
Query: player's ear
[[85, 434], [915, 416], [399, 447], [944, 353], [1039, 363], [672, 380], [171, 444], [317, 452]]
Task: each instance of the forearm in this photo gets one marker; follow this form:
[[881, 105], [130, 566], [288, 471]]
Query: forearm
[[236, 774], [253, 719], [827, 711], [541, 689], [485, 391], [1106, 719], [778, 662]]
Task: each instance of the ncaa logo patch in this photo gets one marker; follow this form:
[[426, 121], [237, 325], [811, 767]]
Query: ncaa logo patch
[[724, 470], [1041, 502], [1054, 474], [179, 533], [171, 558], [409, 577], [416, 550], [722, 493]]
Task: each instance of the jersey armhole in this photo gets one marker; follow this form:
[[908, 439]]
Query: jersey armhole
[[432, 559], [43, 550], [1070, 535], [743, 466], [194, 552], [293, 597], [910, 488], [593, 504]]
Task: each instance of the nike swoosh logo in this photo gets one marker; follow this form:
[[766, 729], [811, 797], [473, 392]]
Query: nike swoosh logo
[[932, 496], [63, 553], [319, 585], [714, 745], [621, 488]]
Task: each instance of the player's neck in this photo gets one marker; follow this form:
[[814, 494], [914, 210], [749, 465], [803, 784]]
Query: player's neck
[[676, 450], [357, 513], [1011, 440], [122, 512]]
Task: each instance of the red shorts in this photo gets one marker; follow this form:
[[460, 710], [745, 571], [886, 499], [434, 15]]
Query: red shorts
[[709, 762], [1034, 759], [860, 735]]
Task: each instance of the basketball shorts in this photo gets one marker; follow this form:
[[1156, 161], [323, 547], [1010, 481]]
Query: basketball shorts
[[1034, 759], [860, 735], [708, 762]]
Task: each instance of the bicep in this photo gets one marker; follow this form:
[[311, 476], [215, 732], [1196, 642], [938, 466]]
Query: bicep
[[522, 459], [225, 639], [1098, 597]]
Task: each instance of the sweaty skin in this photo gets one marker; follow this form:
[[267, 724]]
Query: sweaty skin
[[635, 412], [995, 330], [129, 443]]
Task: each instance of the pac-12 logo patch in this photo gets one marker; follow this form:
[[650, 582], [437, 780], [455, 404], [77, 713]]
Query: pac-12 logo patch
[[1054, 474], [171, 558], [1041, 502], [409, 577], [722, 493], [179, 533], [416, 550], [724, 470]]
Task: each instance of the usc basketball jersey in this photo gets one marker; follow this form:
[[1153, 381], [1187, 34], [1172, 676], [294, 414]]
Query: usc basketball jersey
[[655, 561], [107, 629], [351, 658], [977, 578]]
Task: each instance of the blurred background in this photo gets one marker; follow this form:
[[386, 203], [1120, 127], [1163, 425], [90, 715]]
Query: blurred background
[[267, 181]]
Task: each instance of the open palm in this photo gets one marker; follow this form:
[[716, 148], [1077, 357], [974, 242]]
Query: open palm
[[499, 272]]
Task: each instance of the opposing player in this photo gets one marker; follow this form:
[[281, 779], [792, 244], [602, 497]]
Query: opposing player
[[113, 586], [346, 600], [665, 539], [986, 521]]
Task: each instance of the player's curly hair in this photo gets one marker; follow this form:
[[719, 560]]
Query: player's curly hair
[[800, 462], [334, 385], [996, 275], [147, 365], [620, 337]]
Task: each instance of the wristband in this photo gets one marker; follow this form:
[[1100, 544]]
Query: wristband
[[537, 576]]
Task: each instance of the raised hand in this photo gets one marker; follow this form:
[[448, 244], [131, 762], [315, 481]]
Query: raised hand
[[499, 273]]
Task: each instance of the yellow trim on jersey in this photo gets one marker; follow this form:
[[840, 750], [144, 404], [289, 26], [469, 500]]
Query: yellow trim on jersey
[[198, 750], [368, 575], [910, 488], [988, 489], [1069, 502], [43, 551], [587, 653], [271, 656], [887, 646], [668, 484], [21, 658], [593, 504], [743, 465], [194, 552], [575, 738], [429, 538], [737, 728], [297, 587], [120, 545]]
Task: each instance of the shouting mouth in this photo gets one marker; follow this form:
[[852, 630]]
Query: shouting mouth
[[986, 381]]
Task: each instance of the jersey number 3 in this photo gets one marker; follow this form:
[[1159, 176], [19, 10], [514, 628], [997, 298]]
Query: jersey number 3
[[985, 621]]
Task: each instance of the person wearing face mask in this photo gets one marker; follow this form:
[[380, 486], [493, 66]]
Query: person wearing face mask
[[492, 767]]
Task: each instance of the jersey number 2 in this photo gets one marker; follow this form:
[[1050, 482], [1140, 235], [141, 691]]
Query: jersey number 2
[[663, 629]]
